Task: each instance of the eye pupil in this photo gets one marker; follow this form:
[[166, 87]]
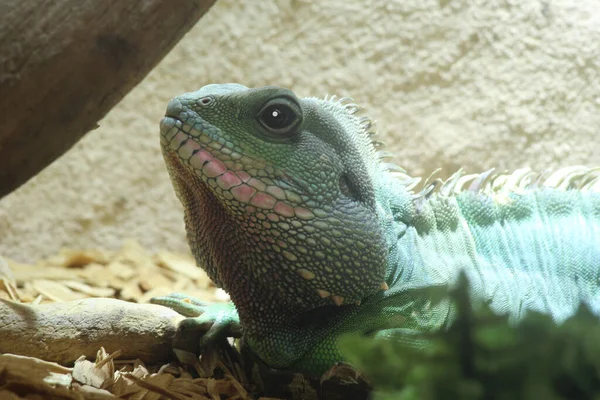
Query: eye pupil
[[278, 117]]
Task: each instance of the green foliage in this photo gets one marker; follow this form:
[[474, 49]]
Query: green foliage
[[482, 356]]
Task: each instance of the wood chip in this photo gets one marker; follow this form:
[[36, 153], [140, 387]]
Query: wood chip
[[5, 271], [155, 385], [95, 274], [4, 295], [26, 365], [123, 387], [68, 258], [131, 291], [189, 387], [155, 281], [56, 291], [88, 373], [59, 379], [47, 380], [89, 290], [131, 274], [25, 272], [93, 393], [179, 263], [121, 270], [229, 387], [9, 288], [133, 253]]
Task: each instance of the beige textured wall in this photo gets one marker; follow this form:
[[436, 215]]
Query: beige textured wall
[[505, 83]]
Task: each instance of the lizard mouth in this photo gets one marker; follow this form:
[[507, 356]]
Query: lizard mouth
[[197, 148], [230, 175]]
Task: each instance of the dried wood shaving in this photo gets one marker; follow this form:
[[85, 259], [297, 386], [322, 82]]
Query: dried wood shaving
[[101, 380], [68, 258], [88, 373], [182, 264], [55, 291], [9, 289], [132, 274], [5, 271]]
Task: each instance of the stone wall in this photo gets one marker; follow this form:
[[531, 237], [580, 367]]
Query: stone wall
[[452, 83]]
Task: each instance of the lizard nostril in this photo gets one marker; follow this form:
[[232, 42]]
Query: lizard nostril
[[174, 108]]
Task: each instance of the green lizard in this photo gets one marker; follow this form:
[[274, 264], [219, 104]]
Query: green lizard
[[290, 209]]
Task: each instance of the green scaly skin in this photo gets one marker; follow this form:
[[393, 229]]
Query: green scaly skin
[[289, 209]]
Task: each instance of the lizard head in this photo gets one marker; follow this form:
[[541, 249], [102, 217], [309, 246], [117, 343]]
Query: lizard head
[[277, 191]]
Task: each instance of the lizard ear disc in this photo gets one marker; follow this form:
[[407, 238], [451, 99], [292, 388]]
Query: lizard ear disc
[[356, 188], [348, 188]]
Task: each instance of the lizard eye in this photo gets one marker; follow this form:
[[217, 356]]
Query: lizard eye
[[280, 117], [206, 101]]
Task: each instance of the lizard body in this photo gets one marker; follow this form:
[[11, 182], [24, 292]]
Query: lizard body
[[289, 208]]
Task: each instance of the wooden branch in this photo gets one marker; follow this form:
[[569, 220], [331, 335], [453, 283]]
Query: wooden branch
[[65, 63], [62, 332]]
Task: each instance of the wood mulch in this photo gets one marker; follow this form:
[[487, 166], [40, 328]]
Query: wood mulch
[[131, 274]]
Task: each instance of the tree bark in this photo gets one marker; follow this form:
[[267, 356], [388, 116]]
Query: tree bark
[[65, 63]]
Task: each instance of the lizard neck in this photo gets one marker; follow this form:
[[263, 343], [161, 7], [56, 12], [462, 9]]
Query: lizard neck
[[223, 251], [258, 279]]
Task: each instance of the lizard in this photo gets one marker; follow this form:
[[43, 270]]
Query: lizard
[[292, 209]]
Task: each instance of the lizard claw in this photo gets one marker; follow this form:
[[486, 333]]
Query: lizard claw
[[206, 324]]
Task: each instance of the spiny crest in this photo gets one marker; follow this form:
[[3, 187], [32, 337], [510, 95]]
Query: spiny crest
[[582, 178], [586, 179], [367, 124]]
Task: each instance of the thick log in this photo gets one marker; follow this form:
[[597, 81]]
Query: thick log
[[62, 332], [65, 63]]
